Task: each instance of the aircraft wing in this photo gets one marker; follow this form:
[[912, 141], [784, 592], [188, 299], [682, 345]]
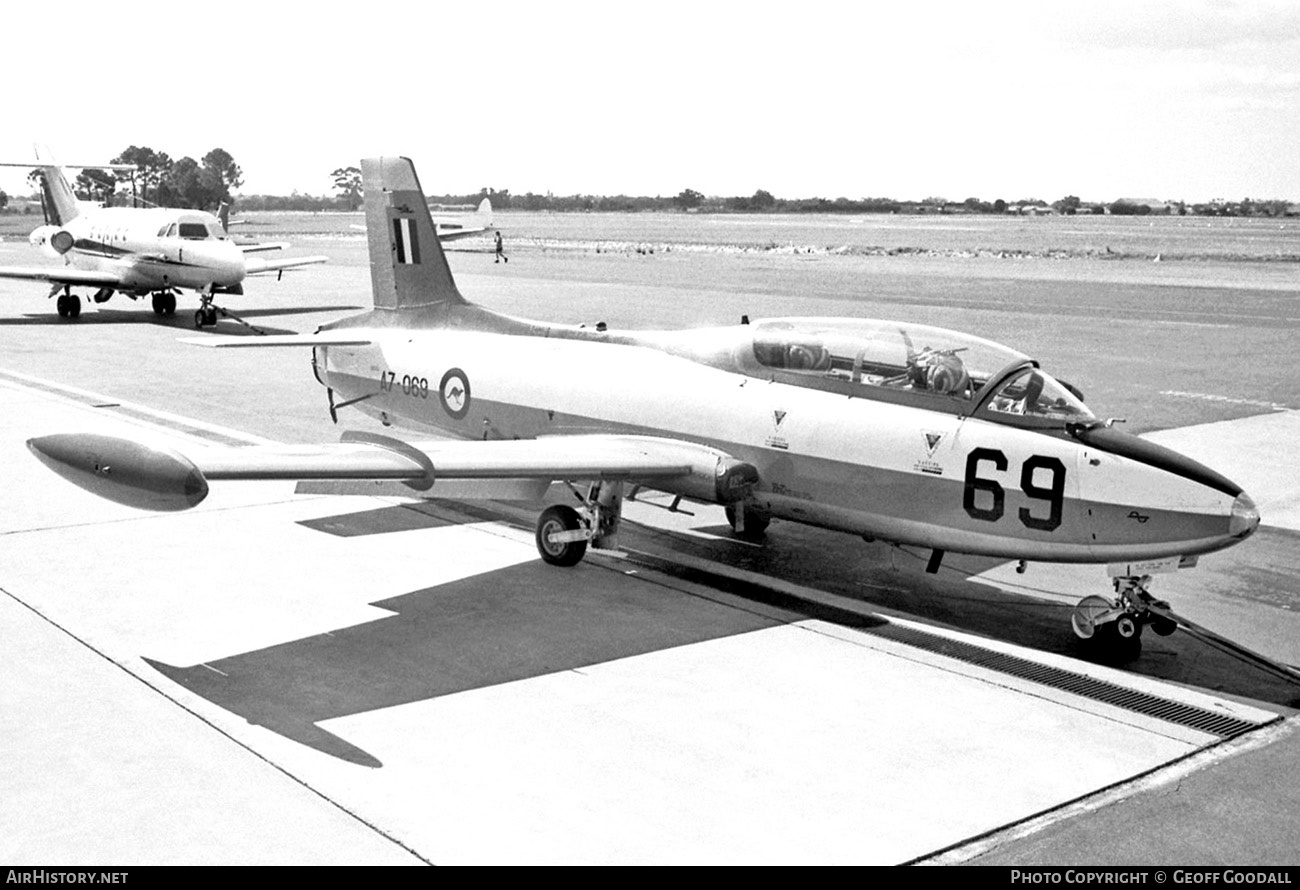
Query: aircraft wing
[[447, 233], [257, 266], [329, 338], [260, 248], [153, 478], [62, 275]]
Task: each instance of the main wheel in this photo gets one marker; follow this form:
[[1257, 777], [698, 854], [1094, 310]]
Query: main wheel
[[756, 522], [555, 520], [74, 306], [157, 304], [61, 304]]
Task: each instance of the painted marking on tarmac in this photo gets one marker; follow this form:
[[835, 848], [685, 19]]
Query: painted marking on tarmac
[[1211, 397], [208, 432]]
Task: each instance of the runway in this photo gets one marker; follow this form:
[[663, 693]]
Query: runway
[[288, 678]]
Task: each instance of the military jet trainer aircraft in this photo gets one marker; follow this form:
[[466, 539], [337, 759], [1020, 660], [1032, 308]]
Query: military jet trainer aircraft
[[138, 251], [903, 433]]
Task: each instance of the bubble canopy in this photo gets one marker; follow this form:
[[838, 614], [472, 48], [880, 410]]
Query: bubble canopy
[[911, 363]]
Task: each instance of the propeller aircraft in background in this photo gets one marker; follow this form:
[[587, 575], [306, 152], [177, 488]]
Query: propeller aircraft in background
[[903, 433], [451, 227], [138, 251]]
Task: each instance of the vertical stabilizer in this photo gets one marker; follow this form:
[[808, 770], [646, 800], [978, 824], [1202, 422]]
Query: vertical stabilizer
[[61, 205], [407, 266]]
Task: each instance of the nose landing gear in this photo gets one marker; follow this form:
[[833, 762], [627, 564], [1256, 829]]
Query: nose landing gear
[[1111, 628]]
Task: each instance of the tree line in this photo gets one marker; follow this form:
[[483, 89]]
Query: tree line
[[159, 180], [206, 184]]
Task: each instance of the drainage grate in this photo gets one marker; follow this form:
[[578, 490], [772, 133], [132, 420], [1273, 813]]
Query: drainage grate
[[1222, 725]]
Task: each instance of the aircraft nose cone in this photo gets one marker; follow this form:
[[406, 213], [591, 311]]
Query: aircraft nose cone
[[1245, 517]]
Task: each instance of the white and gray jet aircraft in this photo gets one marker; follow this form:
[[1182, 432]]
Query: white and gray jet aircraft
[[892, 431], [139, 251]]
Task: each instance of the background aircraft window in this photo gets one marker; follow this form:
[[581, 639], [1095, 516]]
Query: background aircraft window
[[162, 233], [194, 231]]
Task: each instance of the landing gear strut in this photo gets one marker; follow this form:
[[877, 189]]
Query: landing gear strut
[[1112, 626], [563, 533]]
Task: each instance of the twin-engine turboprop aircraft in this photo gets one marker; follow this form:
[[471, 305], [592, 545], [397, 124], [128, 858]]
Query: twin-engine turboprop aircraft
[[138, 251], [898, 432]]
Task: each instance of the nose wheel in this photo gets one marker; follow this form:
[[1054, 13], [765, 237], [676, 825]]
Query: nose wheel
[[1111, 628]]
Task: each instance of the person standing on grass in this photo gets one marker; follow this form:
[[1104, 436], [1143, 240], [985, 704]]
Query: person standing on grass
[[501, 251]]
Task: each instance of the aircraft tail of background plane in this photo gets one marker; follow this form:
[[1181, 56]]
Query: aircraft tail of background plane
[[408, 268], [61, 205]]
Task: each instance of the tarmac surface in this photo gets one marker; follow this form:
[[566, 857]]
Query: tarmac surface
[[281, 678]]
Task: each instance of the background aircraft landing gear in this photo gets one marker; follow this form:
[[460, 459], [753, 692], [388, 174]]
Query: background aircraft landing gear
[[68, 305], [1111, 629], [749, 523], [206, 316], [164, 303]]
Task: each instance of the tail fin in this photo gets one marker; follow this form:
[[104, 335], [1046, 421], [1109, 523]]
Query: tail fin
[[407, 266], [223, 214], [61, 202]]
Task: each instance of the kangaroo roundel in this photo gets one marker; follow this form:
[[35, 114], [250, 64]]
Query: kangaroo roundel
[[454, 393]]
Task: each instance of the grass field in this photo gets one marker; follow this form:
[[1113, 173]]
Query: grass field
[[1000, 237]]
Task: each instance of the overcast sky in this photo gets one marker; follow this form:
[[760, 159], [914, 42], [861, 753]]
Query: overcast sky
[[1194, 99]]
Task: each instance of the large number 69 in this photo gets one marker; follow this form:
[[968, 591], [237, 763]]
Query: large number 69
[[1053, 493]]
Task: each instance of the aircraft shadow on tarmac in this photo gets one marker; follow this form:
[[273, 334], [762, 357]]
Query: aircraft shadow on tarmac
[[180, 320], [532, 619], [524, 621]]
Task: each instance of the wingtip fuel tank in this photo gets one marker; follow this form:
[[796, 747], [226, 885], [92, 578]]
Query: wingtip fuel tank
[[130, 473]]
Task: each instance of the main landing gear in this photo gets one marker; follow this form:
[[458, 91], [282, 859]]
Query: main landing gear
[[68, 305], [563, 533], [164, 303], [1111, 628]]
